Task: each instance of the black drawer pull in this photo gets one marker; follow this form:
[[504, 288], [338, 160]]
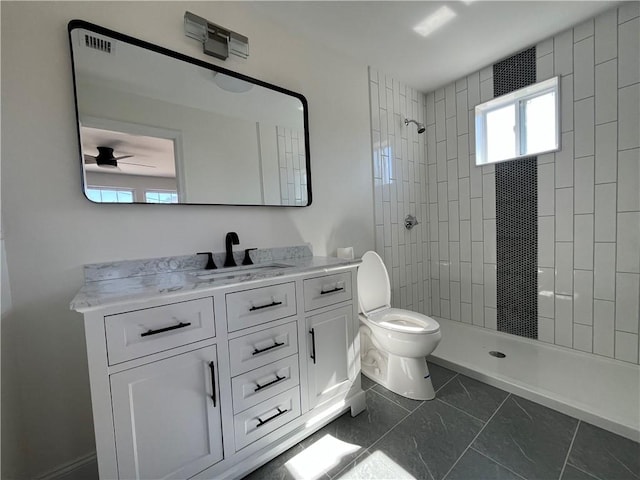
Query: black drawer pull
[[275, 345], [166, 329], [272, 304], [313, 344], [213, 383], [280, 412], [337, 289], [278, 379]]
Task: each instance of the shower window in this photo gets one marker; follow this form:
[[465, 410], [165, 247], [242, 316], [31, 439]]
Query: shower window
[[519, 124]]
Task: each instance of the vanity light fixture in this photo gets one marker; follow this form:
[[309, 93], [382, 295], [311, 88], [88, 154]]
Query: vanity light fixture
[[216, 41]]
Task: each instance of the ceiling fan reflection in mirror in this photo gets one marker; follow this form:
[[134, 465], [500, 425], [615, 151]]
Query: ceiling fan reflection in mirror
[[106, 159]]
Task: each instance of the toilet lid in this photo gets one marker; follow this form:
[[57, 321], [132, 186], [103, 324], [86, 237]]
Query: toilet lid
[[374, 290]]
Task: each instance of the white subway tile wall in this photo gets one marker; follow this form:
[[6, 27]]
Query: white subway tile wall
[[404, 184], [597, 185], [588, 193]]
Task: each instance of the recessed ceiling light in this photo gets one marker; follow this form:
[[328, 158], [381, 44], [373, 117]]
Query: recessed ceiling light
[[434, 21]]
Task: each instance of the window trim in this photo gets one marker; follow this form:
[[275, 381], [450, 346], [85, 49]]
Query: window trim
[[516, 98]]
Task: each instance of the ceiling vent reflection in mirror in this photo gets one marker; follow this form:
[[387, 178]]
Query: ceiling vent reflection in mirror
[[97, 43], [216, 41]]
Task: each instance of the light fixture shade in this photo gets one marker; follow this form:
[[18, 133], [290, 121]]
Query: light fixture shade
[[231, 84]]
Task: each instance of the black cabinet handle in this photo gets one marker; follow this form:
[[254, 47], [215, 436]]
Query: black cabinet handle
[[260, 387], [275, 345], [273, 417], [313, 344], [272, 304], [213, 382], [337, 289], [162, 330]]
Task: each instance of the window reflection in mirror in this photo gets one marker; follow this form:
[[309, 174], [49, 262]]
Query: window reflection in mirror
[[151, 120]]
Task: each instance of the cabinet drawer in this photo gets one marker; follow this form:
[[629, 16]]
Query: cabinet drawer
[[262, 383], [260, 305], [143, 332], [259, 348], [327, 290], [265, 417]]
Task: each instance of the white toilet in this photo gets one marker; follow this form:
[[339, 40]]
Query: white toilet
[[393, 342]]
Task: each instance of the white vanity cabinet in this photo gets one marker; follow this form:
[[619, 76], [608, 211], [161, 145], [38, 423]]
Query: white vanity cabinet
[[331, 361], [214, 380], [166, 416]]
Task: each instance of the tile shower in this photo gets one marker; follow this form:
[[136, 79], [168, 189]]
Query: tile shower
[[587, 207]]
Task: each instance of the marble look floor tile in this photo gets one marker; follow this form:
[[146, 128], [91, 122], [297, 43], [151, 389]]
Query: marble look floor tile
[[474, 466], [475, 398], [366, 382], [439, 375], [374, 465], [277, 470], [361, 431], [604, 454], [528, 438], [429, 441], [404, 402], [572, 473]]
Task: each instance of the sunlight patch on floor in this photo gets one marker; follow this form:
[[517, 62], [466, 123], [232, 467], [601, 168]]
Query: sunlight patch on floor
[[376, 465], [320, 457]]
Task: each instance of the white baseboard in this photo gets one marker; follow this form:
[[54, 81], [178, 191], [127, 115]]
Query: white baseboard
[[82, 468]]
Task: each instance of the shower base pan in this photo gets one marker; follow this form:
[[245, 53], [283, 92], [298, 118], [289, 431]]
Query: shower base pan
[[598, 390]]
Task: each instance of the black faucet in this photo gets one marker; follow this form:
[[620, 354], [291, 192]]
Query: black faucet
[[230, 240]]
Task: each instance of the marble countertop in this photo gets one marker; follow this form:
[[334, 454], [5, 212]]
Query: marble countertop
[[104, 293]]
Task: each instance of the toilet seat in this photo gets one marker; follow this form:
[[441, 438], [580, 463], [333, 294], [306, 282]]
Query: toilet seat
[[406, 321], [374, 298]]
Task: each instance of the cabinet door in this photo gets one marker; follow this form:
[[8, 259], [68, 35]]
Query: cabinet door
[[331, 366], [167, 417]]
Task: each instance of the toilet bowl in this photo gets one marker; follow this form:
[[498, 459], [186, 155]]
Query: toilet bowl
[[393, 342]]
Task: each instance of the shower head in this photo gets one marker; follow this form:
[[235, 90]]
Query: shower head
[[420, 126]]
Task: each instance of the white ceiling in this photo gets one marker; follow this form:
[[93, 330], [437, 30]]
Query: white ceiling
[[380, 33]]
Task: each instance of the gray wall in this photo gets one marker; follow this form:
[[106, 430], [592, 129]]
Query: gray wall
[[50, 230]]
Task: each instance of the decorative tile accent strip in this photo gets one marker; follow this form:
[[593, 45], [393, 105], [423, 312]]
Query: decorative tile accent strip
[[136, 268], [517, 216], [517, 247], [514, 72]]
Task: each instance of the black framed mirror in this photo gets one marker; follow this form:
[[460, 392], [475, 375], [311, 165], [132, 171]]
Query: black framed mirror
[[157, 126]]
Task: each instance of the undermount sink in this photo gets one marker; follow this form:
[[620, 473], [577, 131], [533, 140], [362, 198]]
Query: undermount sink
[[231, 272]]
